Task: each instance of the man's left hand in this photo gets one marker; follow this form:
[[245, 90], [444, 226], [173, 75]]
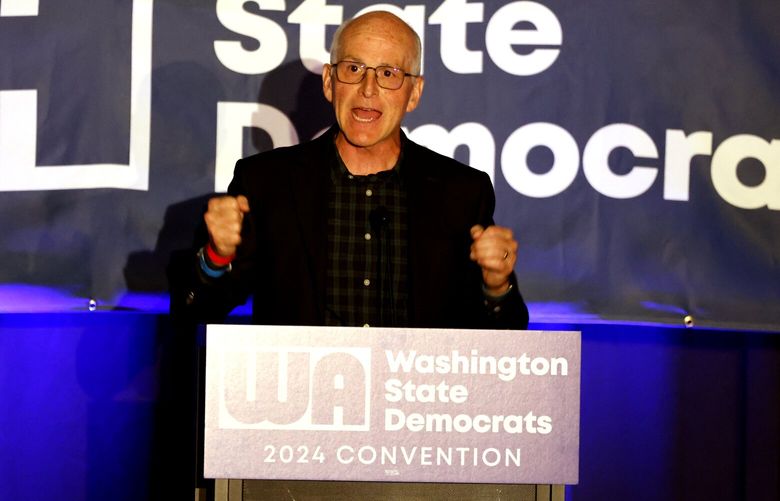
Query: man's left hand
[[495, 250]]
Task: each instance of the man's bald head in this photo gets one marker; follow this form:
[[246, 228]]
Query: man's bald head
[[380, 20]]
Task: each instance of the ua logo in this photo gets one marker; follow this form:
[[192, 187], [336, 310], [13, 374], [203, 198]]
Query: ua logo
[[296, 389]]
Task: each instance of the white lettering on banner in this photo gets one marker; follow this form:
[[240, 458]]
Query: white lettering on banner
[[725, 162], [475, 136], [501, 35], [272, 39], [595, 161], [514, 157], [313, 16], [680, 150], [231, 120], [453, 16], [18, 128], [18, 8], [456, 18]]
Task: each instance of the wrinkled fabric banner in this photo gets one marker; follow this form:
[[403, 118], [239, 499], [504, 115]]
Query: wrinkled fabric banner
[[634, 146]]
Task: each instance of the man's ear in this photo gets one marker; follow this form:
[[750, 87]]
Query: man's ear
[[414, 97], [327, 84]]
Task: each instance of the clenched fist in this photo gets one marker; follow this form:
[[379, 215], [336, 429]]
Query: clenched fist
[[224, 219], [494, 249]]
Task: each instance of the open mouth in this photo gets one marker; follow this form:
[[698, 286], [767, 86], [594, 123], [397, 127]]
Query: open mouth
[[366, 114]]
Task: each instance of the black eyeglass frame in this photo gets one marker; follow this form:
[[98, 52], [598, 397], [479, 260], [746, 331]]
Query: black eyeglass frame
[[365, 68]]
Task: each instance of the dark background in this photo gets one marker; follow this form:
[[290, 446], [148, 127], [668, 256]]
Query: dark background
[[659, 66]]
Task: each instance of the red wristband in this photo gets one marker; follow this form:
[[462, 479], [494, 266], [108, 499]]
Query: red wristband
[[216, 259]]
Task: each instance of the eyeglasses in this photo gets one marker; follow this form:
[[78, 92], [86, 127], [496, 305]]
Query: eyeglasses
[[387, 77]]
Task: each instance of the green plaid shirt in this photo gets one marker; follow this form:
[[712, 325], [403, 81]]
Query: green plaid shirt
[[367, 242]]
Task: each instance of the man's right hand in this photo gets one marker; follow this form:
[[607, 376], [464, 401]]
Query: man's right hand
[[224, 218]]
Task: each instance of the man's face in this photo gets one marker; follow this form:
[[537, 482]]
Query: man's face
[[370, 115]]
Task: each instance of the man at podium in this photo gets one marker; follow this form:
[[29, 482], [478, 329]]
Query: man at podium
[[360, 226]]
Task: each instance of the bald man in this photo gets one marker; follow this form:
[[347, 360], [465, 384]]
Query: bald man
[[361, 226]]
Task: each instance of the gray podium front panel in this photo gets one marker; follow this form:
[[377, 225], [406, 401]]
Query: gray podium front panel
[[288, 490], [418, 405], [235, 434]]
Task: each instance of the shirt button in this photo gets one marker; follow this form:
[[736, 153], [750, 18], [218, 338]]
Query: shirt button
[[497, 309], [350, 177], [367, 236], [366, 282], [369, 192]]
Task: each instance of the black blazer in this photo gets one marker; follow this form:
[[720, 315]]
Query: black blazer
[[282, 260]]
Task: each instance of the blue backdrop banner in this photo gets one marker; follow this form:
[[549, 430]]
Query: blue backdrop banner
[[634, 146]]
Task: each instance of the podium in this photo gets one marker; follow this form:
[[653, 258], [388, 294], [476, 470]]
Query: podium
[[323, 413]]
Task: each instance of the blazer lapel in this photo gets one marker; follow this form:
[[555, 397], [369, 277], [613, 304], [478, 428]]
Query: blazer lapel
[[419, 187], [310, 186]]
